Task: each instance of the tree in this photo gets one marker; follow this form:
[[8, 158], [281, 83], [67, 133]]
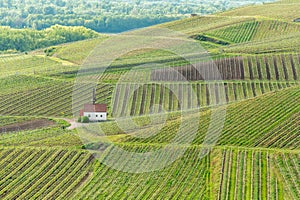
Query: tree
[[9, 3], [60, 3], [49, 10], [31, 10]]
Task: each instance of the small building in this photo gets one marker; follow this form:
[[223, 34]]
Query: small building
[[95, 112], [296, 20]]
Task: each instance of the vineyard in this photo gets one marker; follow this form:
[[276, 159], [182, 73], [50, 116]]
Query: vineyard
[[256, 30], [42, 172], [224, 173], [249, 174], [271, 131], [285, 67], [53, 99], [180, 96], [32, 65], [250, 78], [76, 52], [244, 78], [289, 43], [284, 10], [203, 24]]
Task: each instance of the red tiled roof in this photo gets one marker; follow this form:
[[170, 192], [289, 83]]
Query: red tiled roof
[[95, 108]]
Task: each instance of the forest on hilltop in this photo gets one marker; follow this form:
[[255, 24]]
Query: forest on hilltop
[[21, 40], [105, 16]]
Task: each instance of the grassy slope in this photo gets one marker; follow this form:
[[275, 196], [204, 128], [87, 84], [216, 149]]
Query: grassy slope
[[76, 52], [283, 10], [258, 23]]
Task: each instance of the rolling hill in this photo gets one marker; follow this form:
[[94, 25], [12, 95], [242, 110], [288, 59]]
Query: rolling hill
[[256, 156]]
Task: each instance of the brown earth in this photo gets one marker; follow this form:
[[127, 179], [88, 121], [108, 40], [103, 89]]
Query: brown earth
[[27, 125]]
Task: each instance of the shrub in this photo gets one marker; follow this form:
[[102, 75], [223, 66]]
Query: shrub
[[79, 119], [100, 146], [85, 119], [50, 51]]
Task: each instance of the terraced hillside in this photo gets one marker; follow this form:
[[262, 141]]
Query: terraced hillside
[[258, 29], [256, 156], [264, 165], [284, 10]]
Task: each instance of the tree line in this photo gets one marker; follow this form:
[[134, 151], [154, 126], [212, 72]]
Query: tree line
[[108, 16], [22, 40]]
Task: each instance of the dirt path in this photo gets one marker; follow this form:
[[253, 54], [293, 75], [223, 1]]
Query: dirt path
[[56, 59], [73, 123]]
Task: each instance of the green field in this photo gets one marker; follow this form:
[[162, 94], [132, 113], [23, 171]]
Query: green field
[[256, 52]]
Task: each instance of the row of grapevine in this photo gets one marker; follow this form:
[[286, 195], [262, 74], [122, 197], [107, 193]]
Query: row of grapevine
[[184, 178], [281, 67], [40, 171], [17, 83], [201, 24], [286, 43], [51, 100], [41, 101], [255, 30], [266, 121], [82, 94], [274, 29], [288, 167], [247, 174], [135, 99], [278, 136], [239, 33], [234, 173], [32, 65], [237, 174], [7, 120], [46, 137]]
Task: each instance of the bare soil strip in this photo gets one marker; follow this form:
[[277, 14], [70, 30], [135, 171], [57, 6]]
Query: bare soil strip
[[27, 125]]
